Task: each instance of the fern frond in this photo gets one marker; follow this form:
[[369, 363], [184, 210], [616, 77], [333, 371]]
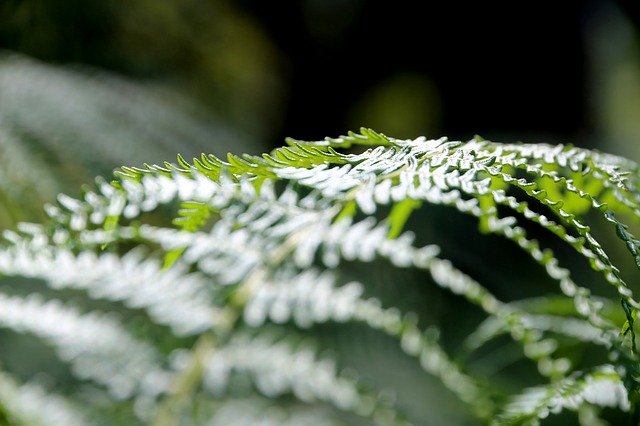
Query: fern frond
[[310, 298], [216, 246], [62, 126], [20, 400], [601, 387], [568, 327], [277, 368], [173, 297], [97, 347], [251, 411]]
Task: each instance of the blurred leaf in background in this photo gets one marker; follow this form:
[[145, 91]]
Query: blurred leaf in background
[[208, 50], [405, 105], [59, 127], [614, 49]]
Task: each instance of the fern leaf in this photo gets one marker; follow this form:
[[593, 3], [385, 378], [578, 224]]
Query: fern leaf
[[20, 400], [251, 411], [601, 387], [98, 347], [310, 298], [266, 242], [276, 369], [103, 277]]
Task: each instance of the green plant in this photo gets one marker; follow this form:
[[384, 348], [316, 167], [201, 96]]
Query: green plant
[[61, 126], [222, 309]]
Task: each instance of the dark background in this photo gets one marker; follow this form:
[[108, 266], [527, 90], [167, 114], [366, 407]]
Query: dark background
[[506, 70], [497, 67]]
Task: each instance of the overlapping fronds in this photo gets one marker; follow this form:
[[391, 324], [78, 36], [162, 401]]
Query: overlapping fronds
[[60, 126], [218, 259]]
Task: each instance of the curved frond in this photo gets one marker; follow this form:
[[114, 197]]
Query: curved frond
[[277, 368], [20, 400], [601, 387], [97, 346], [217, 246]]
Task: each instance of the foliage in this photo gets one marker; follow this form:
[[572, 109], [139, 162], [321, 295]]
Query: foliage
[[68, 124], [236, 301], [213, 51]]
